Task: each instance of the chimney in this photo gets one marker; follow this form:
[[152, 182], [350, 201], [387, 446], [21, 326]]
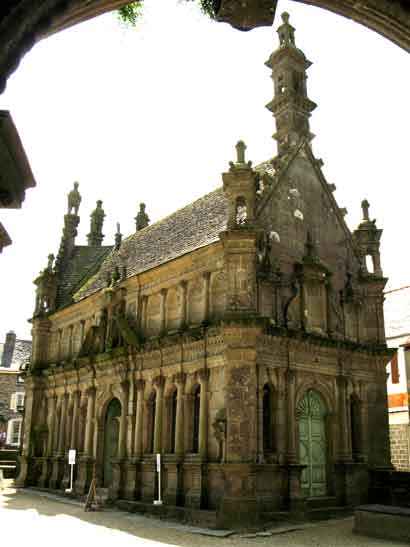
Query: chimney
[[8, 349]]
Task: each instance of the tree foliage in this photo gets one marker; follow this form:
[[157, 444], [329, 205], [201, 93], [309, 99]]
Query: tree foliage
[[130, 13]]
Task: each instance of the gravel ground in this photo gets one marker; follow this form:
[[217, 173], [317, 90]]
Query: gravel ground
[[28, 517]]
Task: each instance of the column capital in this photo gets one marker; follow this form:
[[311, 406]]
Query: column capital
[[179, 378], [206, 275], [203, 375], [158, 382], [139, 384], [290, 375], [183, 284], [90, 391]]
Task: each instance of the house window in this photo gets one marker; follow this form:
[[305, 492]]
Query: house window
[[14, 431], [394, 369], [16, 401]]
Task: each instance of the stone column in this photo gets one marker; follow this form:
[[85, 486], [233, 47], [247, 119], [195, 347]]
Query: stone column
[[183, 287], [139, 386], [206, 297], [203, 414], [144, 313], [159, 386], [179, 380], [281, 416], [74, 421], [88, 440], [163, 309], [344, 426], [52, 403], [63, 420], [290, 403], [123, 420]]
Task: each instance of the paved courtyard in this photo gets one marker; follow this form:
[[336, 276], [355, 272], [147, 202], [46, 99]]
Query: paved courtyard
[[34, 518]]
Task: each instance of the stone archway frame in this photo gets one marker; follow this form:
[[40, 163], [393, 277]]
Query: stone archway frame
[[102, 402], [328, 398], [22, 26]]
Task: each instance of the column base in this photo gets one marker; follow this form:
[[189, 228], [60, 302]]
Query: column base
[[85, 472], [57, 472]]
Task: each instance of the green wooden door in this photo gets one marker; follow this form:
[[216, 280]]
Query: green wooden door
[[111, 436], [312, 444]]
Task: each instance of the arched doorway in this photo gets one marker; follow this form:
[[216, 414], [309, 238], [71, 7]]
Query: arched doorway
[[311, 414], [111, 436]]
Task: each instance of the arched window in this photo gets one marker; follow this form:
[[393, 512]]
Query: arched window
[[151, 426], [241, 213], [195, 424], [173, 420], [267, 419]]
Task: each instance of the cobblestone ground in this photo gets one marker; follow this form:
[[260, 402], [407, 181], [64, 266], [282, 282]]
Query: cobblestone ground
[[31, 518]]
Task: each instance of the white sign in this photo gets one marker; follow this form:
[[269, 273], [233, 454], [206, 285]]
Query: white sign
[[158, 462], [71, 456]]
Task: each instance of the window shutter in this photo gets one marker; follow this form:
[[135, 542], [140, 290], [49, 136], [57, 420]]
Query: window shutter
[[394, 367]]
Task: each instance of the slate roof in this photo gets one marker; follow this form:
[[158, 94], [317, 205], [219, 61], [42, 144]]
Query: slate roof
[[397, 312], [196, 225], [83, 263], [21, 354]]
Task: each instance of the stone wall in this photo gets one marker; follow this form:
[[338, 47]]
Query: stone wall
[[399, 443]]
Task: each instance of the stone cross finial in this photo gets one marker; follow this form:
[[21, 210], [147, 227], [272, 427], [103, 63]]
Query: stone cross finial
[[286, 32], [74, 200], [365, 208], [142, 219], [240, 152]]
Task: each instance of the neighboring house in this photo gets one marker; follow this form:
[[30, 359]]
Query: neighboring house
[[397, 319], [14, 353], [241, 337]]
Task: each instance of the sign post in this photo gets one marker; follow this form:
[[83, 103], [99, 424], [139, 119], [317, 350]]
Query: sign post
[[159, 500], [71, 463]]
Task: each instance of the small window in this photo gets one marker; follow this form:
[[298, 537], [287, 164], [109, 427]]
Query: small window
[[13, 432], [16, 401], [394, 369]]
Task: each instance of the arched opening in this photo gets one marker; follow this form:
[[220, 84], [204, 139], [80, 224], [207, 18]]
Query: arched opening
[[152, 405], [241, 212], [369, 264], [311, 416], [267, 419], [195, 419], [111, 437]]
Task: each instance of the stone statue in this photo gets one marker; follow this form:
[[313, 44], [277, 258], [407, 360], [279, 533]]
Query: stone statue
[[74, 200], [97, 218], [142, 219]]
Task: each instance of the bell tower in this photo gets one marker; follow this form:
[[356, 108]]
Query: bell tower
[[291, 106]]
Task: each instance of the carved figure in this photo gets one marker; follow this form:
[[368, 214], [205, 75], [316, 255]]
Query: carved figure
[[97, 218], [74, 200], [142, 219]]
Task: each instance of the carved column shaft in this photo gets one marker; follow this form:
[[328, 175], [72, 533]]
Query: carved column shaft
[[139, 418], [88, 438], [158, 416], [344, 429], [179, 430], [203, 414], [281, 416], [291, 381], [74, 421], [51, 421], [206, 297], [163, 309], [123, 420], [183, 291]]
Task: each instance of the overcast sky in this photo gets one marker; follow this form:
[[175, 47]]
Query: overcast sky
[[152, 114]]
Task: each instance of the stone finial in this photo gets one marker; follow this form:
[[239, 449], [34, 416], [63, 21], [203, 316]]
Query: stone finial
[[74, 200], [50, 261], [286, 32], [96, 236], [240, 152], [118, 237], [142, 219], [365, 209]]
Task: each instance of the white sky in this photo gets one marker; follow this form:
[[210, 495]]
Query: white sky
[[152, 114]]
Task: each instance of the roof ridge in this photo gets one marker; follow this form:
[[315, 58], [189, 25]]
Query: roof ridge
[[147, 228], [396, 290]]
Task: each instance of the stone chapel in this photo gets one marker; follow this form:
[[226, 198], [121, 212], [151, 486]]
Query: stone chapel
[[242, 338]]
